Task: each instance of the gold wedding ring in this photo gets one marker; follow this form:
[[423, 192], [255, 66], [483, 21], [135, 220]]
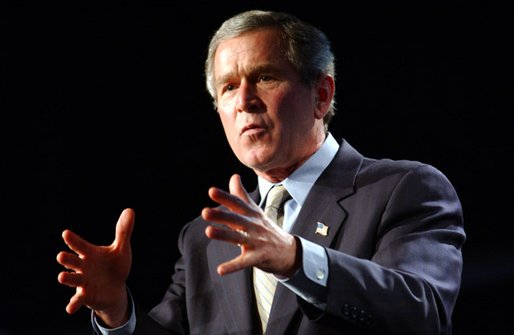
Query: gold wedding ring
[[244, 235]]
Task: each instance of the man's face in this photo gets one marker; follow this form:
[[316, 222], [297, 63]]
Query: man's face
[[267, 113]]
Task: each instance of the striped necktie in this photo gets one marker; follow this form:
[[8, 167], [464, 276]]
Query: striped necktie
[[265, 283]]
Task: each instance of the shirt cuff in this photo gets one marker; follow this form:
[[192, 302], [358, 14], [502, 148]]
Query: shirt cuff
[[315, 262], [126, 329], [310, 281]]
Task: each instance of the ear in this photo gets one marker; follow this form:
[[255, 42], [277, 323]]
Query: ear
[[325, 89]]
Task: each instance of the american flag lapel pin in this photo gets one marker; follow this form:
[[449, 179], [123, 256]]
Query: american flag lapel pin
[[321, 229]]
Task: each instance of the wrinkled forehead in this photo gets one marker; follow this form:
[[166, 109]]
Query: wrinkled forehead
[[267, 38], [250, 55], [253, 47]]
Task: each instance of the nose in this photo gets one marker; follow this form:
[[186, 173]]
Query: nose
[[247, 98]]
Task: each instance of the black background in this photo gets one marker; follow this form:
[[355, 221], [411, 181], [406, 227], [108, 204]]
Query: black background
[[103, 107]]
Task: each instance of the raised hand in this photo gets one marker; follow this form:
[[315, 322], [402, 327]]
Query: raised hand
[[263, 244], [99, 273]]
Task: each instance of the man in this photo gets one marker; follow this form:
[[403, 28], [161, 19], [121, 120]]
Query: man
[[366, 246]]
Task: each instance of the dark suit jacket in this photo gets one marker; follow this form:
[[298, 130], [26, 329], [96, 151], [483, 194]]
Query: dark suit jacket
[[394, 250]]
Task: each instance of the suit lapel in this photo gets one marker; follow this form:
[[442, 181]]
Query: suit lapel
[[323, 204], [323, 210]]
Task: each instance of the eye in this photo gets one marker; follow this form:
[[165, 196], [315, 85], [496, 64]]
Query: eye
[[228, 88], [265, 78]]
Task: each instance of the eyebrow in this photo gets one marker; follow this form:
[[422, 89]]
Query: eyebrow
[[262, 68]]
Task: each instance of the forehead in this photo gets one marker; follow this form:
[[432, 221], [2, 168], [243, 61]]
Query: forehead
[[249, 49]]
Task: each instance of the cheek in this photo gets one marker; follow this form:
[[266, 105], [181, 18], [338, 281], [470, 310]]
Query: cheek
[[295, 112], [295, 98], [229, 125]]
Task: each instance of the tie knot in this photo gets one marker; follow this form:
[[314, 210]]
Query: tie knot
[[277, 196]]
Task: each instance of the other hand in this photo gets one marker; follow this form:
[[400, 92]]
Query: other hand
[[263, 244], [99, 273]]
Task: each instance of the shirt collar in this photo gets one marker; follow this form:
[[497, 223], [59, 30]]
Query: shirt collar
[[300, 182]]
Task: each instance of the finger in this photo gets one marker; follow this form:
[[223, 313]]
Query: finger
[[124, 228], [227, 235], [71, 279], [76, 243], [233, 220], [75, 302], [228, 200], [239, 263], [236, 188], [69, 260]]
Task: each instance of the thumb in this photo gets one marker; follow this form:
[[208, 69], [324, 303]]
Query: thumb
[[236, 188], [124, 228]]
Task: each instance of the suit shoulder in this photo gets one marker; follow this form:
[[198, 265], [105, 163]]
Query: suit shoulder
[[194, 230], [402, 170], [401, 165]]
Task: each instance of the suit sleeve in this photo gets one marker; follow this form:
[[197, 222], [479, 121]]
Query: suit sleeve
[[411, 280]]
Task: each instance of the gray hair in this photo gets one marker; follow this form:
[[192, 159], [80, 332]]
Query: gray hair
[[306, 47]]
